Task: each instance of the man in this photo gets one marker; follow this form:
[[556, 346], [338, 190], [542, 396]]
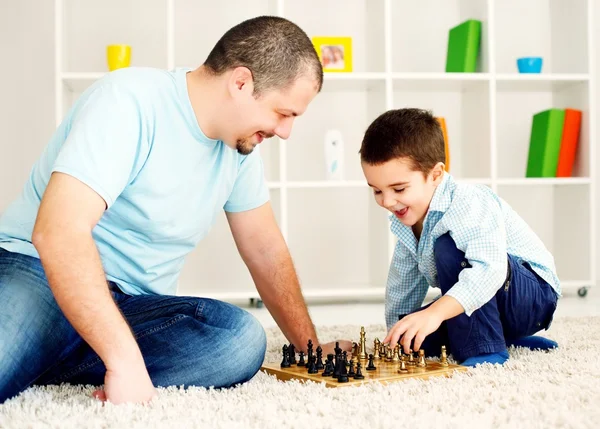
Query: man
[[130, 182]]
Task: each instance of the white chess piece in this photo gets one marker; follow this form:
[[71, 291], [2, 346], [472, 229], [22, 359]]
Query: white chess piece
[[334, 155]]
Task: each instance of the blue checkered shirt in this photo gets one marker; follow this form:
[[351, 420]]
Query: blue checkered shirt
[[484, 227]]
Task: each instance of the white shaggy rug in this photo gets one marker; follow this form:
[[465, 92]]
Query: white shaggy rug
[[533, 390]]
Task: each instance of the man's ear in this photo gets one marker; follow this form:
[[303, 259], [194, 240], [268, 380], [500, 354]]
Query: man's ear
[[241, 81]]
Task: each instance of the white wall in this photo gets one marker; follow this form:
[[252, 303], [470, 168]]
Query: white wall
[[26, 89]]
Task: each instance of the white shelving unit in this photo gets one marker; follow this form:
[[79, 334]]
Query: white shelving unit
[[338, 237]]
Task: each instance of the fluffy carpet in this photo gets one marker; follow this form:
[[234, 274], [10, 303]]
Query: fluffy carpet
[[560, 388]]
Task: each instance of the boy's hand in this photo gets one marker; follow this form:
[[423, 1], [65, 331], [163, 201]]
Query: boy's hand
[[416, 325]]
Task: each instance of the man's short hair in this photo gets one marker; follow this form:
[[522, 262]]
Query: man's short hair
[[274, 49]]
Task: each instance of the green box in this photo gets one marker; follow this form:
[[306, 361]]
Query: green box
[[463, 47], [544, 143]]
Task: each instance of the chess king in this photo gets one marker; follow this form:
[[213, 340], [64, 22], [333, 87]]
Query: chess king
[[498, 281]]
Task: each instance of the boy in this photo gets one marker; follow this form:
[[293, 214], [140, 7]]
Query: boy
[[498, 281]]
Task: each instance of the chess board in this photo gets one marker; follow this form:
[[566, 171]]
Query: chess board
[[386, 372]]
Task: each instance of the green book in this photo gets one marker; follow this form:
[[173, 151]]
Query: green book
[[544, 143], [463, 47]]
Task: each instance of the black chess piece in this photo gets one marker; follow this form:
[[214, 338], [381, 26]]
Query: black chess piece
[[309, 350], [337, 366], [320, 358], [312, 366], [301, 361], [358, 375], [292, 354], [328, 366], [371, 366], [285, 363], [351, 369], [343, 376], [337, 349]]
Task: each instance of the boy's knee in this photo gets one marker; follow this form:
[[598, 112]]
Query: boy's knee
[[444, 247]]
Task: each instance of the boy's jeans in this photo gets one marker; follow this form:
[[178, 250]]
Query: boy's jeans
[[524, 305], [185, 341]]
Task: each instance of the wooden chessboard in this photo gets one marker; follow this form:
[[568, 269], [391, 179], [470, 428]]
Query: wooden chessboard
[[386, 372]]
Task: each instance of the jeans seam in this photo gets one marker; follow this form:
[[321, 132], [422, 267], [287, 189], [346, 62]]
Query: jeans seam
[[86, 365], [200, 308]]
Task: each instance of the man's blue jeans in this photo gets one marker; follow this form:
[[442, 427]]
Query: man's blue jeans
[[185, 341], [524, 305]]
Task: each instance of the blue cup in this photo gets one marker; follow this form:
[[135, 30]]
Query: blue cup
[[529, 64]]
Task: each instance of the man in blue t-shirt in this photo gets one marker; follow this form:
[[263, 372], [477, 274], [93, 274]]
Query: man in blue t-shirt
[[130, 182]]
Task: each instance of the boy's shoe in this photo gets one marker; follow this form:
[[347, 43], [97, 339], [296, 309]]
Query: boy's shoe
[[534, 343], [492, 358]]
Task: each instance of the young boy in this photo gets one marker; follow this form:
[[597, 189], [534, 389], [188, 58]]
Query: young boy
[[498, 281]]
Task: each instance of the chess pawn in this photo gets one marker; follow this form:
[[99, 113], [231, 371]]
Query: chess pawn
[[388, 355], [421, 363], [371, 366], [382, 348], [396, 356], [328, 366], [411, 361], [301, 361], [351, 372], [444, 357], [402, 369], [359, 375], [312, 366]]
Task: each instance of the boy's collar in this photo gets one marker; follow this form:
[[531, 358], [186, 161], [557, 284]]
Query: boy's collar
[[441, 199]]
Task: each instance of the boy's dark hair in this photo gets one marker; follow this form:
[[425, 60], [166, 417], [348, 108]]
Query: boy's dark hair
[[274, 49], [404, 133]]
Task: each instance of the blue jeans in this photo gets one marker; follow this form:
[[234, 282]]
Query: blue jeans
[[524, 305], [184, 341]]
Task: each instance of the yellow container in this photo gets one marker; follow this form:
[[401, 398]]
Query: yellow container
[[118, 56]]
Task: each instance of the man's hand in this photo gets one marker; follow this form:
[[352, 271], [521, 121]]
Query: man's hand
[[131, 384], [416, 325], [328, 348]]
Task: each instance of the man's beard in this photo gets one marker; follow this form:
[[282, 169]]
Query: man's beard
[[244, 147]]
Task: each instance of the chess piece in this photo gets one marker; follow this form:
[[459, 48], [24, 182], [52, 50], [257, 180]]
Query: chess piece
[[319, 362], [328, 366], [402, 369], [388, 355], [444, 357], [312, 366], [411, 361], [355, 350], [285, 363], [382, 348], [343, 375], [396, 354], [421, 363], [292, 354], [371, 366], [376, 344], [309, 349], [362, 355], [359, 375], [301, 361], [351, 370], [337, 366], [337, 348]]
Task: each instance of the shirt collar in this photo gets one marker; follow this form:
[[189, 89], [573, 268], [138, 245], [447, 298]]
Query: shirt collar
[[441, 197]]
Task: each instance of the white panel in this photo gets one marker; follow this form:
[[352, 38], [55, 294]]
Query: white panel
[[199, 24], [91, 25]]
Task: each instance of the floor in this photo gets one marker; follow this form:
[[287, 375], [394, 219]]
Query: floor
[[371, 312]]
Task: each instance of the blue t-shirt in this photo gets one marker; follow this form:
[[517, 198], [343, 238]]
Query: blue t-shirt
[[133, 138]]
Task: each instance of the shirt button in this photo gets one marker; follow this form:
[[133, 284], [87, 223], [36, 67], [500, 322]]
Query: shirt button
[[539, 324], [463, 264]]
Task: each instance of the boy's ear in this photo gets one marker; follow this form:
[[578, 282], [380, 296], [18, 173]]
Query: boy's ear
[[437, 173]]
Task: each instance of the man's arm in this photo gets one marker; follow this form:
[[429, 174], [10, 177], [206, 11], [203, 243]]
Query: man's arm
[[62, 236], [266, 255]]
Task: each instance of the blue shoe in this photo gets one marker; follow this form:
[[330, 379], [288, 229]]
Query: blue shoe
[[534, 343], [492, 358]]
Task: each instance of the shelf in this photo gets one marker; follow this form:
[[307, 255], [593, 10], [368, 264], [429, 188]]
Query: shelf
[[353, 81], [538, 82], [439, 82], [78, 82], [546, 181]]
